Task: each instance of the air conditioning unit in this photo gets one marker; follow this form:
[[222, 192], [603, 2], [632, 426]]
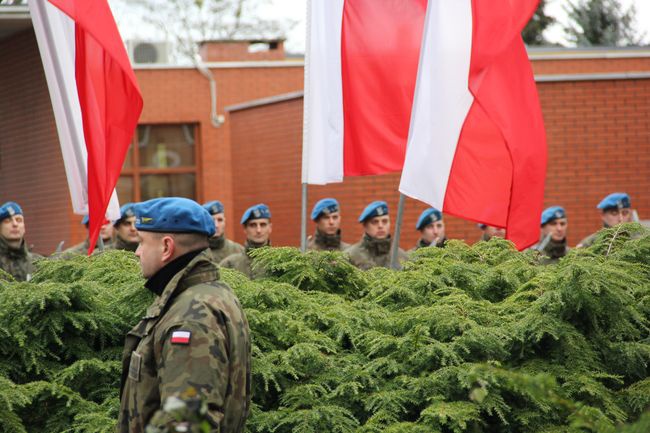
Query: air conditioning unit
[[143, 52]]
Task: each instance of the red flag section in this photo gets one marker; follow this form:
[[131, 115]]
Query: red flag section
[[110, 100], [499, 168], [380, 50]]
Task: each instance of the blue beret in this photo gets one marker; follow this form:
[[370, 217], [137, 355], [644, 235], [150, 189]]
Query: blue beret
[[126, 211], [553, 213], [10, 209], [325, 206], [256, 212], [173, 215], [617, 200], [213, 207], [427, 217], [376, 208]]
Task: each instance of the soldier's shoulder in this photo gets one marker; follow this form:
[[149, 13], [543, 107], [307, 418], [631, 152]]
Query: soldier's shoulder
[[354, 248], [231, 260], [200, 302], [588, 241]]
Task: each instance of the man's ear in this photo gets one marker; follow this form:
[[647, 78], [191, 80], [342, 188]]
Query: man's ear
[[270, 227], [169, 248]]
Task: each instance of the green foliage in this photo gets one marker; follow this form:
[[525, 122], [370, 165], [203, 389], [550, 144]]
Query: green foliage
[[533, 33], [464, 339]]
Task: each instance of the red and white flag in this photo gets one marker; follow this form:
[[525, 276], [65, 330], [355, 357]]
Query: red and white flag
[[442, 90], [95, 96]]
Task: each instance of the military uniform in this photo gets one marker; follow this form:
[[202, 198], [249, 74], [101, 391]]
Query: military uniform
[[424, 244], [121, 244], [215, 359], [81, 249], [553, 251], [371, 252], [194, 336], [323, 242], [19, 263], [617, 200], [244, 263], [222, 248]]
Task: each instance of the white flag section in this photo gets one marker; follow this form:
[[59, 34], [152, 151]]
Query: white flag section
[[323, 123], [55, 33], [442, 101]]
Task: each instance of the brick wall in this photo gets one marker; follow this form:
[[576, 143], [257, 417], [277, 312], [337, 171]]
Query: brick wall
[[598, 142], [31, 168], [232, 51]]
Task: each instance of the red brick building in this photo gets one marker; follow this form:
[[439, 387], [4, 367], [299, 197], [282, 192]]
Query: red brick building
[[596, 106]]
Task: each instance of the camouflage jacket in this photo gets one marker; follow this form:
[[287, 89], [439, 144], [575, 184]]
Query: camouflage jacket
[[18, 262], [423, 244], [370, 252], [222, 248], [121, 244], [81, 249], [552, 252], [588, 241], [243, 262], [194, 335], [323, 242]]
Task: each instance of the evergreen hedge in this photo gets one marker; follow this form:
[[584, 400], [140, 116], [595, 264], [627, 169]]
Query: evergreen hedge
[[464, 339]]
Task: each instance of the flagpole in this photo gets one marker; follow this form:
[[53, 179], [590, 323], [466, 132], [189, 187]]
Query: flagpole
[[303, 221], [394, 264]]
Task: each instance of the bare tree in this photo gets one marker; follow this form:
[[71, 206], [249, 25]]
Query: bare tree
[[185, 23]]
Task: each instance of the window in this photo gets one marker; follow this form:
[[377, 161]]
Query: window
[[160, 163]]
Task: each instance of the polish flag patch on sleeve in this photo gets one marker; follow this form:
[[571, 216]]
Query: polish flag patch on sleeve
[[181, 337]]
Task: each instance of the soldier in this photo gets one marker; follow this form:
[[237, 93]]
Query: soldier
[[219, 245], [15, 258], [614, 209], [554, 228], [81, 249], [194, 335], [126, 235], [374, 248], [257, 227], [490, 232], [432, 229], [327, 216]]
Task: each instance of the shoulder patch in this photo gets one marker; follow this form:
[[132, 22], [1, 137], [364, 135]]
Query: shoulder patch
[[181, 337]]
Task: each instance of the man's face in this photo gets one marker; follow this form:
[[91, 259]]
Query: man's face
[[378, 227], [127, 231], [219, 224], [612, 217], [329, 224], [106, 232], [13, 228], [556, 228], [258, 230], [434, 232], [150, 252], [495, 232]]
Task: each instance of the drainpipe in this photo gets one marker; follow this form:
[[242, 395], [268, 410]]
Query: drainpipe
[[216, 119]]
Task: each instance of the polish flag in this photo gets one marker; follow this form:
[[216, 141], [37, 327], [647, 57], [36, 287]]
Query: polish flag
[[440, 89], [95, 97]]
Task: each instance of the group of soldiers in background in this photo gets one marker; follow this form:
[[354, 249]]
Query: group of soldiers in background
[[372, 250]]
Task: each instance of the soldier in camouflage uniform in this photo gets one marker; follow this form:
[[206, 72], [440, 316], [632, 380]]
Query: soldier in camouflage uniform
[[15, 258], [195, 333], [327, 216], [553, 245], [374, 248], [614, 209], [490, 232], [431, 228], [220, 246], [257, 227], [126, 235], [81, 249]]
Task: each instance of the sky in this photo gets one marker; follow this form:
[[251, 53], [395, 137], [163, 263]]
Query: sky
[[295, 11]]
